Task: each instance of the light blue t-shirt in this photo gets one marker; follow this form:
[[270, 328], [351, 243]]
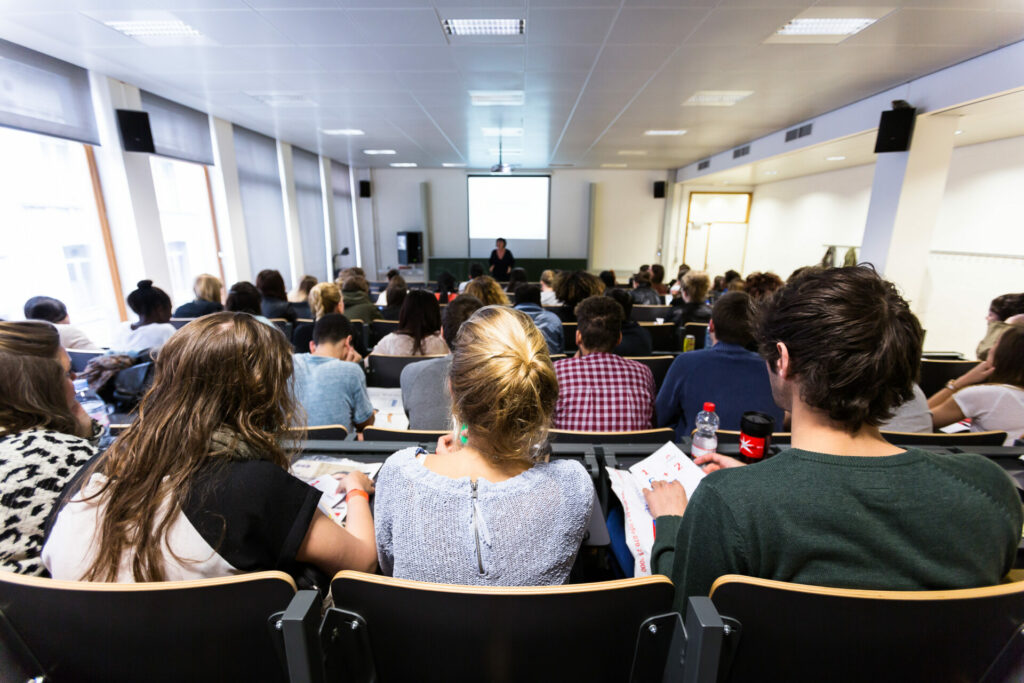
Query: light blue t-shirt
[[332, 391]]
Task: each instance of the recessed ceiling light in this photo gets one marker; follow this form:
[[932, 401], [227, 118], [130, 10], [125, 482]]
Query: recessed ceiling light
[[835, 158], [454, 165], [504, 132], [632, 152], [716, 98], [282, 99], [165, 28], [342, 131], [771, 172], [614, 165], [665, 132], [496, 98], [825, 26], [375, 152], [958, 132], [403, 164], [484, 27]]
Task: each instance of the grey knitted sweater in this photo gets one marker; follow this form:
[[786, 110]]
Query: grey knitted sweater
[[523, 531]]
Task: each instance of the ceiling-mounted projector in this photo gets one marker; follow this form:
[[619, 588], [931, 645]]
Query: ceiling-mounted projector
[[501, 169]]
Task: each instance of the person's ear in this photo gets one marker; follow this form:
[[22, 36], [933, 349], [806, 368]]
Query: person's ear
[[782, 363], [579, 337], [312, 347]]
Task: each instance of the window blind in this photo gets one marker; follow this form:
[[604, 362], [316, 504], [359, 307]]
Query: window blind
[[309, 199], [179, 132], [259, 184]]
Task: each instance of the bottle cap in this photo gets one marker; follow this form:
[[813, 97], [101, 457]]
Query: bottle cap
[[709, 407]]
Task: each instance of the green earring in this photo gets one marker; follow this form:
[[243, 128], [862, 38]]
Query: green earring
[[463, 439]]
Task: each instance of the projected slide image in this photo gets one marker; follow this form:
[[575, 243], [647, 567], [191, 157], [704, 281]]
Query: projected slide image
[[513, 208]]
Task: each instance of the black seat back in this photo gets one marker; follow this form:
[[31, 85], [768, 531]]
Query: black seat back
[[698, 330], [646, 436], [380, 329], [935, 373], [659, 366], [649, 314], [79, 359], [664, 337], [385, 371]]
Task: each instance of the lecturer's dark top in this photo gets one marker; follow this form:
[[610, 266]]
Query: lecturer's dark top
[[502, 266], [913, 521]]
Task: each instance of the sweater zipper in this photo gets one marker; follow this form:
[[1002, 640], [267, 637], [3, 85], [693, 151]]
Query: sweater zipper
[[476, 529]]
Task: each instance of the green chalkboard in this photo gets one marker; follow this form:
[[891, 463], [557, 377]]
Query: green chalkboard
[[459, 267]]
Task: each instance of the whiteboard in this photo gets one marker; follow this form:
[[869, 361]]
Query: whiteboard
[[510, 207]]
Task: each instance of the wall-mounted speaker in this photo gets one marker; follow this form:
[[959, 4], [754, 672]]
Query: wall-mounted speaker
[[659, 189], [136, 135], [364, 189], [895, 130]]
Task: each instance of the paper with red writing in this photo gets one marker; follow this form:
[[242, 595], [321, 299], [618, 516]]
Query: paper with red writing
[[668, 463]]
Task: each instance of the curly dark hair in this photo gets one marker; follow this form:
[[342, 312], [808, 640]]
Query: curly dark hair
[[1007, 305], [759, 285], [854, 345]]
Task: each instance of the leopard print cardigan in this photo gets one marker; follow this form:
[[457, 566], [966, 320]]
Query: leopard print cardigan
[[35, 466]]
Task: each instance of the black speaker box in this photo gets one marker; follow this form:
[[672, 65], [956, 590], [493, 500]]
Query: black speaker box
[[364, 189], [136, 135], [895, 129], [659, 189], [410, 248]]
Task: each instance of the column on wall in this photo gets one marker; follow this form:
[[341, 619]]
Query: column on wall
[[228, 202], [292, 228]]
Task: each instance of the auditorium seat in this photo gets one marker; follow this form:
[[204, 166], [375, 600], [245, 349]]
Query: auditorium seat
[[646, 436], [427, 436], [791, 632], [385, 371], [284, 326], [698, 330], [380, 329], [664, 337], [180, 322], [569, 335], [387, 630], [80, 358], [659, 366], [212, 630], [958, 440], [303, 335], [324, 433], [649, 314], [935, 373]]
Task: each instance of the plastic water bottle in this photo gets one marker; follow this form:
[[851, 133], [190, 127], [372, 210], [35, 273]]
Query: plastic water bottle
[[92, 404], [705, 439]]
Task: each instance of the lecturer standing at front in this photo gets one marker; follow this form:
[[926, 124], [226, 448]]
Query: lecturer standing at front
[[502, 261]]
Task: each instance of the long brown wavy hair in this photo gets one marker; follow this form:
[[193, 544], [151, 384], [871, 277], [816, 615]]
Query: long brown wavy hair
[[32, 381], [224, 373]]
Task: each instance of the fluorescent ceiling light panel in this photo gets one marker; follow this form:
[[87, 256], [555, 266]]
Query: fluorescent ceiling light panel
[[958, 132], [166, 28], [503, 132], [375, 152], [403, 164], [632, 152], [716, 98], [484, 27], [342, 131], [496, 98], [825, 26], [454, 165], [835, 158], [614, 165], [665, 132], [282, 99]]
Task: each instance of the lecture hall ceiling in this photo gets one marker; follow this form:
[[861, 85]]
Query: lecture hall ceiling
[[595, 74]]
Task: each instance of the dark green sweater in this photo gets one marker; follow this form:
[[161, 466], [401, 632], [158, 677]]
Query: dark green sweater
[[913, 521]]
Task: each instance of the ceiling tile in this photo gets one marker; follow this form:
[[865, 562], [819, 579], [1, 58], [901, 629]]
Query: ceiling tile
[[316, 26], [633, 57], [740, 26], [73, 29], [568, 26], [346, 57], [647, 25], [399, 27], [562, 57], [417, 58], [233, 27], [943, 27], [491, 58]]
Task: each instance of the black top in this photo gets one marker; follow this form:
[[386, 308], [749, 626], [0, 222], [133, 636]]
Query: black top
[[302, 309], [390, 312], [693, 312], [645, 296], [279, 308], [636, 341], [197, 308], [502, 266]]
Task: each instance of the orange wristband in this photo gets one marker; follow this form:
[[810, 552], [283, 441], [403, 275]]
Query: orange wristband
[[359, 493]]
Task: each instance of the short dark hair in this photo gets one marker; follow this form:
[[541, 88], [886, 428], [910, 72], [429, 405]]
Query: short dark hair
[[243, 297], [731, 317], [516, 277], [731, 275], [854, 345], [1008, 359], [528, 294], [446, 283], [502, 240], [355, 283], [624, 299], [475, 270], [396, 290], [457, 312], [759, 285], [392, 272], [577, 286], [45, 308], [147, 300], [271, 284], [600, 323], [608, 278], [331, 329], [1003, 306]]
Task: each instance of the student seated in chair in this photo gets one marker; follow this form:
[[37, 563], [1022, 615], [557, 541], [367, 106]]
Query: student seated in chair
[[329, 383], [842, 508], [198, 486], [487, 508]]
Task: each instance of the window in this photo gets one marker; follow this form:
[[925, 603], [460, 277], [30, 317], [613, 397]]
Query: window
[[716, 231], [183, 198], [52, 241], [259, 184]]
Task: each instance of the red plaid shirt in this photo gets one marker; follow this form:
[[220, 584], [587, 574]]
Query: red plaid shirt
[[602, 392]]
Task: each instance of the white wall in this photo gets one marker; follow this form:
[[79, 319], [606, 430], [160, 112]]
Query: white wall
[[627, 225], [791, 221]]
